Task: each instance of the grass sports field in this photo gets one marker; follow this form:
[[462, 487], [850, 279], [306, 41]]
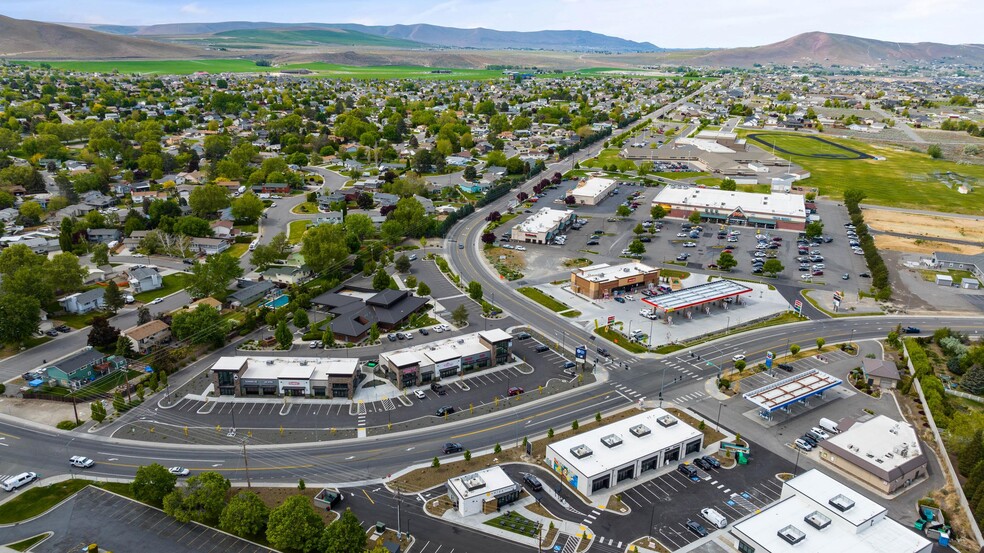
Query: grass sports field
[[899, 178], [330, 70]]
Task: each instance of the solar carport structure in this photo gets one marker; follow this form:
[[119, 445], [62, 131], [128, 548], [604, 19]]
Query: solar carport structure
[[789, 391], [697, 295]]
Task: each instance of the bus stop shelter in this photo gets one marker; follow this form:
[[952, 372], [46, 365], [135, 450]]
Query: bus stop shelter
[[783, 394]]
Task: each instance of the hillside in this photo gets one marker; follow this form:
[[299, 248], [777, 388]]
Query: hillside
[[308, 37], [22, 38], [581, 41], [835, 49]]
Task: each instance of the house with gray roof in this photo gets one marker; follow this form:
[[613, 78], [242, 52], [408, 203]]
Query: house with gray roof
[[145, 279], [84, 302], [353, 317], [250, 293], [103, 235]]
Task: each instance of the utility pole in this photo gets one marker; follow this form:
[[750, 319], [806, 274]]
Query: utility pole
[[246, 464]]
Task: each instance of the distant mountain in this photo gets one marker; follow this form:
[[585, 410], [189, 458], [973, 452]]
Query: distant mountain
[[22, 38], [834, 49], [309, 37], [433, 35]]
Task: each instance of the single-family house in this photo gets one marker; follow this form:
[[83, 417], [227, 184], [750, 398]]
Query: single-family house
[[881, 373], [103, 235], [272, 188], [224, 229], [209, 246], [148, 336], [384, 199], [145, 279], [427, 204], [84, 302], [84, 366], [287, 274], [97, 199], [250, 293]]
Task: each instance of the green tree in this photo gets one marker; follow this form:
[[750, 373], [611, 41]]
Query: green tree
[[773, 266], [203, 325], [19, 317], [638, 229], [729, 184], [467, 455], [294, 526], [497, 449], [574, 425], [212, 277], [814, 229], [794, 349], [206, 200], [102, 334], [423, 289], [283, 335], [475, 290], [202, 501], [268, 254], [973, 380], [152, 483], [460, 315], [726, 261], [100, 255], [192, 226], [328, 337], [623, 211], [657, 212], [64, 273], [245, 515], [124, 347], [402, 263], [935, 151], [301, 318], [740, 365], [98, 411], [373, 333], [113, 298], [31, 212], [435, 463], [381, 280], [694, 217], [972, 453], [820, 343], [247, 208], [344, 535], [324, 247], [412, 217], [637, 247]]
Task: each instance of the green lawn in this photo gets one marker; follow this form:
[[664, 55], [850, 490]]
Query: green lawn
[[543, 299], [78, 321], [172, 283], [571, 314], [38, 499], [186, 67], [673, 273], [237, 250], [903, 178], [24, 545], [616, 338], [297, 231], [305, 207], [607, 157], [514, 522]]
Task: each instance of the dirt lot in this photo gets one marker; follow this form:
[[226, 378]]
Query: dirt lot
[[930, 226], [927, 247], [41, 411]]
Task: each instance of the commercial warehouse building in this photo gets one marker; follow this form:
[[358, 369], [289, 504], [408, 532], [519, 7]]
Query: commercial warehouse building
[[604, 280], [592, 190], [773, 211], [483, 491], [285, 376], [446, 358], [881, 452], [816, 513], [605, 456], [543, 226]]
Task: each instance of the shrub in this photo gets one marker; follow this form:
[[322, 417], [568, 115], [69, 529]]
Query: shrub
[[66, 425], [436, 462]]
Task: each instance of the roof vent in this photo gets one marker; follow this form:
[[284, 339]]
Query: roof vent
[[472, 482], [841, 503], [581, 451], [666, 421], [611, 440], [817, 520], [792, 534], [640, 430], [269, 362]]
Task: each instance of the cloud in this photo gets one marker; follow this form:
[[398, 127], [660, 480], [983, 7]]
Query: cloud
[[192, 9]]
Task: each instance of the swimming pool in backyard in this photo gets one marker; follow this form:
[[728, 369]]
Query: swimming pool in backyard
[[278, 301]]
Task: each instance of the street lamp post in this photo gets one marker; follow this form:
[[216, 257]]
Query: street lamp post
[[796, 466], [246, 463], [717, 423]]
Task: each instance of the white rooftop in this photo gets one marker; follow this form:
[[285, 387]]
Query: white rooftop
[[791, 389], [441, 350], [544, 220], [632, 447], [705, 145], [482, 482], [784, 205], [495, 335], [603, 272], [862, 528], [881, 442], [294, 368], [592, 187]]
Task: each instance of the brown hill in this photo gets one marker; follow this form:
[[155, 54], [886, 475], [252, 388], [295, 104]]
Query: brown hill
[[831, 49], [25, 39]]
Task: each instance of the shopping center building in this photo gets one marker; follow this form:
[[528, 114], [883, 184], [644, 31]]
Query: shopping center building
[[604, 280], [726, 207], [285, 376], [543, 226], [431, 361], [592, 190]]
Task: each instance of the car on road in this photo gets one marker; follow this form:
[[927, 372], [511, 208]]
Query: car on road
[[711, 461], [179, 471], [446, 410], [81, 462], [274, 204], [187, 261], [408, 336], [683, 257], [156, 301], [845, 276], [63, 328], [593, 242], [21, 479], [461, 246], [413, 257], [738, 357], [453, 447], [420, 394], [911, 330], [696, 528], [315, 344], [424, 332], [603, 352], [532, 482], [865, 275], [515, 391], [438, 389]]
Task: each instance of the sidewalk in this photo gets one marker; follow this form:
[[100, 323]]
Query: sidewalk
[[477, 523]]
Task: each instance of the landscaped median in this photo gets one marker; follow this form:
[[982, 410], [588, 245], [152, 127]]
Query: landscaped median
[[543, 299]]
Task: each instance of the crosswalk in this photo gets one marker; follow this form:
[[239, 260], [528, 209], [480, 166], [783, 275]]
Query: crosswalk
[[607, 545], [590, 517], [627, 392]]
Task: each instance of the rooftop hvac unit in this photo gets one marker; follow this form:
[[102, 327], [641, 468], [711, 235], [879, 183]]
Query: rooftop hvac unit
[[817, 520], [269, 362], [611, 440], [640, 430], [841, 503], [304, 363], [791, 534], [666, 421], [581, 451], [472, 482]]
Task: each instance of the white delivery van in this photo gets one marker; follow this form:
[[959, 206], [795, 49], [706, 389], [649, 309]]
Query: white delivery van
[[253, 244], [829, 426], [714, 517], [15, 482]]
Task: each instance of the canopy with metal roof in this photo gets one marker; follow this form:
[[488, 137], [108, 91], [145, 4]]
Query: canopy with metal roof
[[788, 391], [697, 295]]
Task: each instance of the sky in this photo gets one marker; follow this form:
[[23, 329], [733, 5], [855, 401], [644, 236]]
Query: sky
[[668, 24]]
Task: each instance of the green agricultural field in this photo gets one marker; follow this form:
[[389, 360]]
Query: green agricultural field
[[329, 70], [898, 178], [306, 37]]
